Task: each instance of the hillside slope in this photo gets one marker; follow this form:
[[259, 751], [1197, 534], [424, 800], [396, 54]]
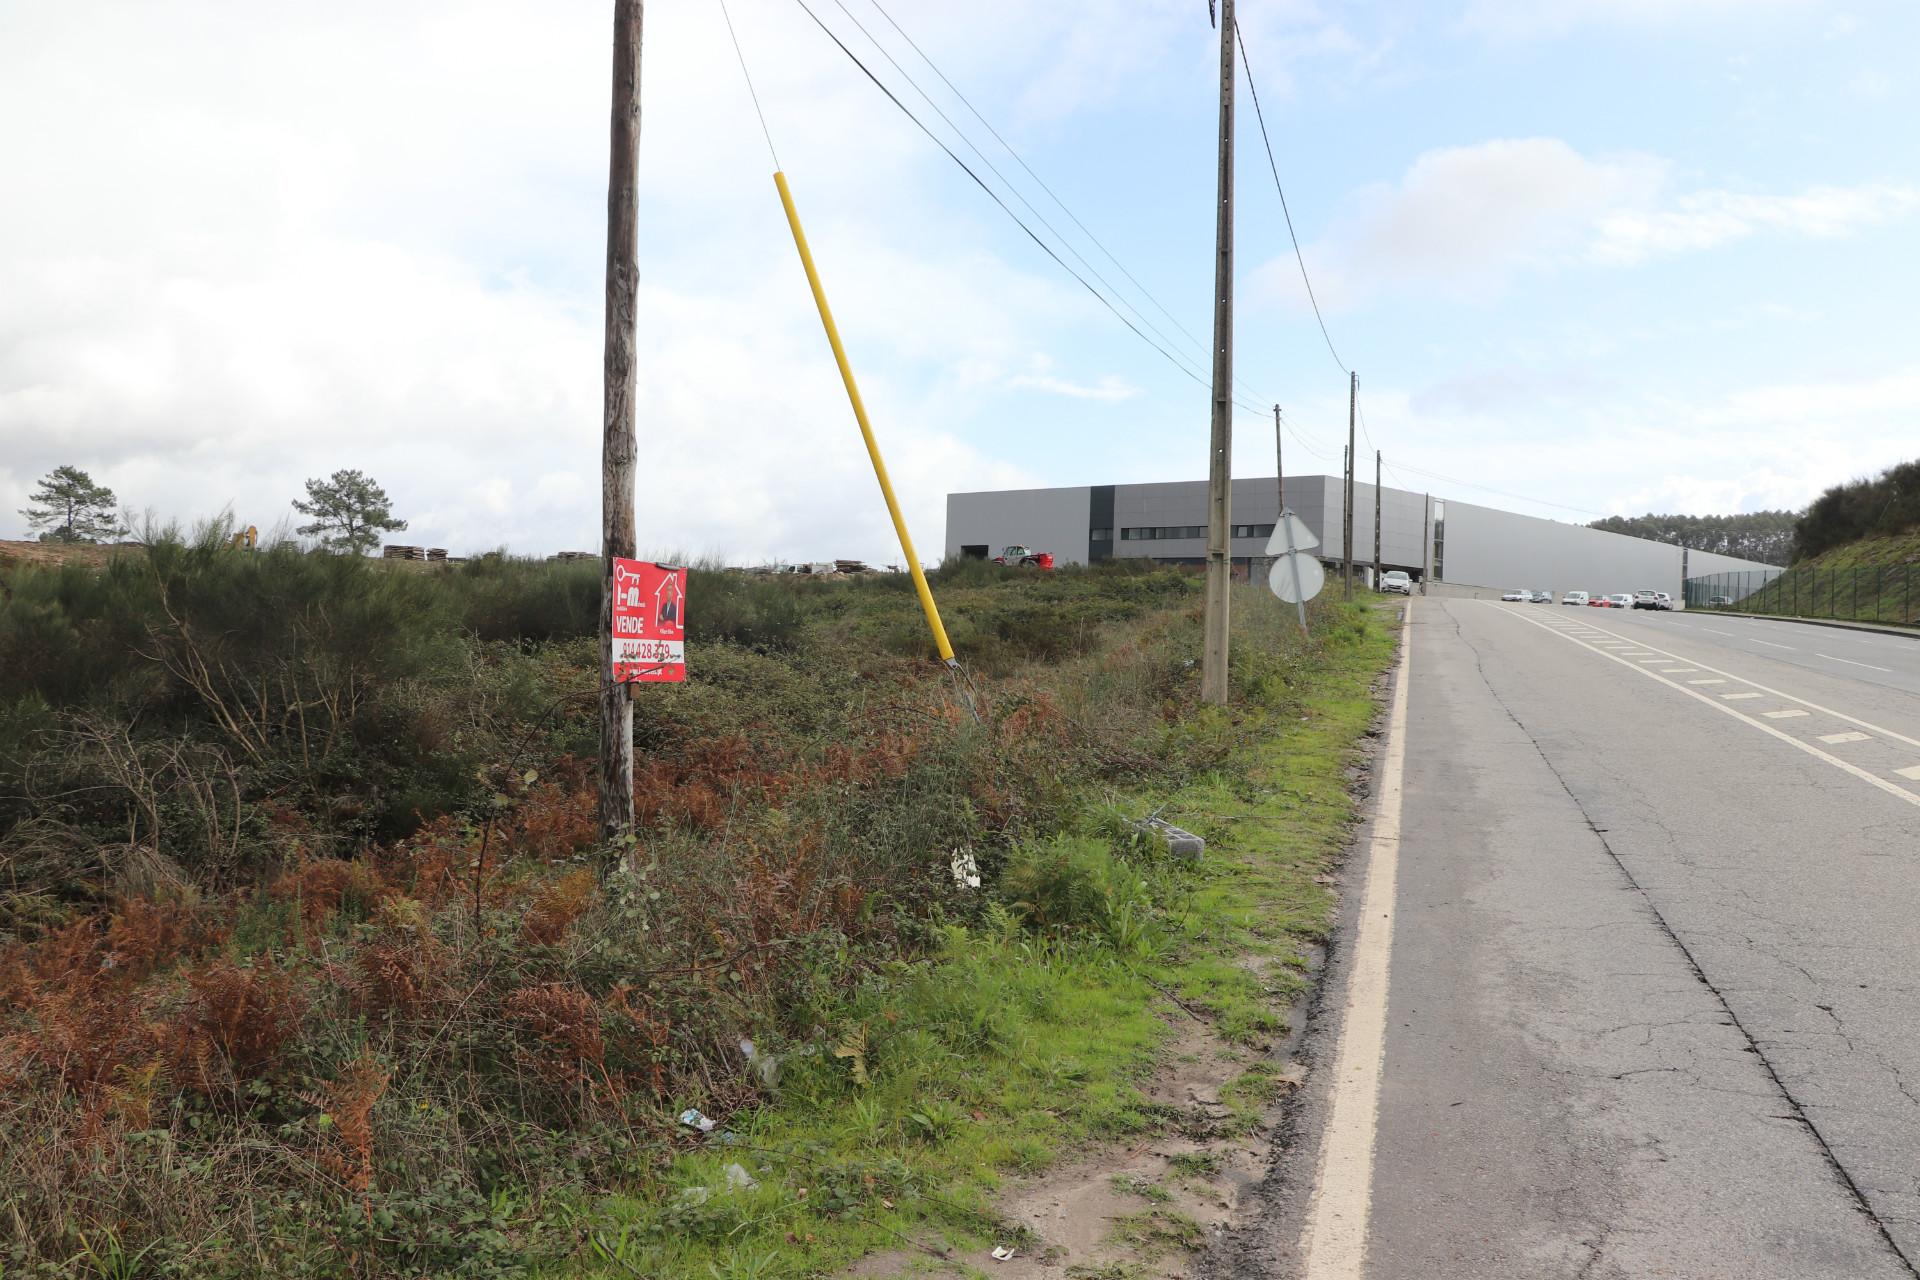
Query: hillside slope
[[1871, 580]]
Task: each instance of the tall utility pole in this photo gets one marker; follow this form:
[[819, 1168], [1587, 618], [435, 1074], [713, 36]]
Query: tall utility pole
[[619, 386], [1279, 480], [1346, 543], [1377, 491], [1426, 545], [1213, 666]]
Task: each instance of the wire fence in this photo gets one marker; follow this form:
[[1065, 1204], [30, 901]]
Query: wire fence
[[1882, 593]]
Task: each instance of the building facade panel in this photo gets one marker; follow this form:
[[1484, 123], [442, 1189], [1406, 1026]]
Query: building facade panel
[[1056, 520], [1475, 547]]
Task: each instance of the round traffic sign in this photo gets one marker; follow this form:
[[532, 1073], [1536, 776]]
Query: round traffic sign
[[1281, 579]]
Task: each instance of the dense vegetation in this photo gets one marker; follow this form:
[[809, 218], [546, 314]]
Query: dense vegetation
[[1766, 536], [310, 964], [1882, 506]]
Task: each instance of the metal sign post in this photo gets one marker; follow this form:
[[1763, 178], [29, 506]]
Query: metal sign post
[[1294, 578]]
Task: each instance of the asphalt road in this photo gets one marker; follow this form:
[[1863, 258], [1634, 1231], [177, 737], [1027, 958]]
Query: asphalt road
[[1647, 966]]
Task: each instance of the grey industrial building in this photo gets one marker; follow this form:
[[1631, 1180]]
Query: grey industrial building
[[1456, 546]]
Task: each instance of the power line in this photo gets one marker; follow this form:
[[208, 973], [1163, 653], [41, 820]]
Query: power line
[[995, 197], [1468, 484], [1018, 159], [748, 77], [995, 169], [1240, 39]]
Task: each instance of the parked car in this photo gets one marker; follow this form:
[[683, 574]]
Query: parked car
[[1597, 601], [1663, 601], [1646, 600], [1543, 597], [1620, 600], [1518, 595], [1396, 580], [1574, 597], [1718, 601]]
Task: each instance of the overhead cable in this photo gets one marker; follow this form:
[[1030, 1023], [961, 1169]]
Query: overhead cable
[[1041, 182], [995, 196], [995, 169], [1272, 164]]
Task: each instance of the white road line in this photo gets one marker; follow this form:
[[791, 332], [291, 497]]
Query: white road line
[[1850, 662], [1720, 633], [1787, 715], [1868, 725], [1872, 779], [1834, 739], [1911, 771], [1770, 644], [1735, 697], [1334, 1241], [1681, 671], [1712, 681]]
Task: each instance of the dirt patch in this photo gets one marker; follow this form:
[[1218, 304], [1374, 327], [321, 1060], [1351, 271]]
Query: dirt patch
[[1144, 1210], [54, 554]]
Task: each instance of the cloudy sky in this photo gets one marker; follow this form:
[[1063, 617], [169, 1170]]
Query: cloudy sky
[[1594, 255]]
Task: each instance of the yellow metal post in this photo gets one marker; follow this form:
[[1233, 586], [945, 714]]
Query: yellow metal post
[[927, 605]]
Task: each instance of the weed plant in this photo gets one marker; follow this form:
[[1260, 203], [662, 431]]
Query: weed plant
[[312, 963]]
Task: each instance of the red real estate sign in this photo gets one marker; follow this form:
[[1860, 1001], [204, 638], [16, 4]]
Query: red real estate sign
[[649, 622]]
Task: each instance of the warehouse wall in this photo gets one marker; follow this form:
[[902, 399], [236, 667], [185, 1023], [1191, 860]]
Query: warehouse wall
[[1045, 519], [1484, 547]]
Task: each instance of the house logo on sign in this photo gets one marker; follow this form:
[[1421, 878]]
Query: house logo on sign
[[666, 603]]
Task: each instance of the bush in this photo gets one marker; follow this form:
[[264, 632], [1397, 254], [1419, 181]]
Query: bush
[[1069, 883], [1887, 504]]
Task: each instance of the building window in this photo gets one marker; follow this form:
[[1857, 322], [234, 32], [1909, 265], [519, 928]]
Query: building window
[[1253, 531], [1141, 533], [1100, 535], [1439, 540]]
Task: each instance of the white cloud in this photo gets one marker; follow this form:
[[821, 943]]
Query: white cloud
[[1468, 218], [1040, 377], [1532, 19], [1543, 437], [246, 244], [1708, 219]]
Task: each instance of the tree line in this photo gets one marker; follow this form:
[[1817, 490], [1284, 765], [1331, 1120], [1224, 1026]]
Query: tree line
[[347, 511], [1881, 506], [1766, 536]]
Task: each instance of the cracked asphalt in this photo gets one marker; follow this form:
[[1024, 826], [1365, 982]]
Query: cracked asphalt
[[1652, 1004]]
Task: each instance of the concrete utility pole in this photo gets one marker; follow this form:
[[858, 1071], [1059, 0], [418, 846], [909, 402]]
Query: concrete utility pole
[[1213, 666], [619, 387], [1279, 461], [1377, 504], [1279, 477], [1346, 543], [1426, 545]]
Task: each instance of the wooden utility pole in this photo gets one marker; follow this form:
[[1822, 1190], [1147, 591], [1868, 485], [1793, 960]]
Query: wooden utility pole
[[1377, 504], [1346, 542], [1213, 665], [619, 386]]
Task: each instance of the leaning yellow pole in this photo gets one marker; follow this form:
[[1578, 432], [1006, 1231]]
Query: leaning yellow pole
[[927, 605]]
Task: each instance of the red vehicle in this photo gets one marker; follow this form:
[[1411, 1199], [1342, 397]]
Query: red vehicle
[[1016, 554], [1599, 602]]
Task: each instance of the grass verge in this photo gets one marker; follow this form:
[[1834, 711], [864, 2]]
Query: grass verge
[[1004, 1050]]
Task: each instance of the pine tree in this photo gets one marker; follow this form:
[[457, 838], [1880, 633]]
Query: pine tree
[[349, 512], [69, 507]]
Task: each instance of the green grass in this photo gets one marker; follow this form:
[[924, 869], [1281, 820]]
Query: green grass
[[1006, 1050], [1872, 580]]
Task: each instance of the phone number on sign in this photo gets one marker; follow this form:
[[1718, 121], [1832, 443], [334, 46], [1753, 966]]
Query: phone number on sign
[[658, 652]]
